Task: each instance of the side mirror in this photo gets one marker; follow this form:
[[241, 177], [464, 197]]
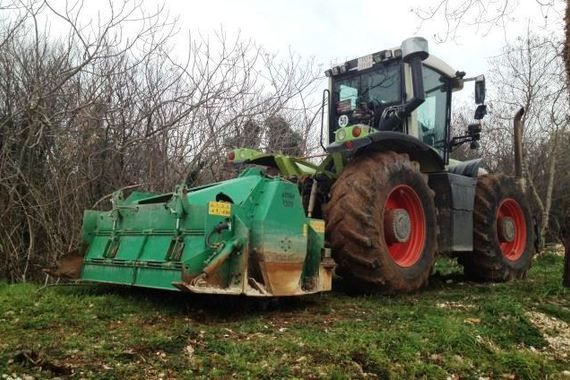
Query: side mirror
[[480, 89], [480, 112]]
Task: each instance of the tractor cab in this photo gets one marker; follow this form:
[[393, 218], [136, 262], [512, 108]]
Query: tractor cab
[[404, 90]]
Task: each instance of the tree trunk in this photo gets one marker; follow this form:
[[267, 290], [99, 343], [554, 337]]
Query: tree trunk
[[567, 46], [565, 236], [566, 226], [549, 188], [566, 275]]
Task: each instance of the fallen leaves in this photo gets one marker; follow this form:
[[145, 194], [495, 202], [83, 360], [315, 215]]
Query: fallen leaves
[[455, 305], [472, 321], [189, 351], [35, 359], [554, 331]]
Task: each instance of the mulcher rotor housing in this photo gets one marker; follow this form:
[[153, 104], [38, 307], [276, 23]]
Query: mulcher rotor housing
[[249, 235]]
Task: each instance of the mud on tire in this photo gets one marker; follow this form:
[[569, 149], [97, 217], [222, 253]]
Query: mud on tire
[[355, 224], [494, 257]]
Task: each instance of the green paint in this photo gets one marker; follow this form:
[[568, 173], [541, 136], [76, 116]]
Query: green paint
[[244, 154], [174, 241]]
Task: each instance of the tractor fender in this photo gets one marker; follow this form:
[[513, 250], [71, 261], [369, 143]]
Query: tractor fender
[[428, 158]]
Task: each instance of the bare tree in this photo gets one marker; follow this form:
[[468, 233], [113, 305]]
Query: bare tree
[[105, 106], [484, 15], [528, 73]]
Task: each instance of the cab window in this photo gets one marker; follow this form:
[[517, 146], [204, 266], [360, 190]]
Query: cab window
[[350, 93], [432, 114]]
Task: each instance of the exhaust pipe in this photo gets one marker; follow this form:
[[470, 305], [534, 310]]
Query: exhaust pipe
[[518, 133]]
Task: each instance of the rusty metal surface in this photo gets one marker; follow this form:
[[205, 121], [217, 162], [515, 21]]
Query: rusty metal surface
[[282, 278], [285, 281], [68, 267]]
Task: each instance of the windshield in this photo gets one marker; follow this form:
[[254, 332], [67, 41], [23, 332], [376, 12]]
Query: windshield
[[370, 90]]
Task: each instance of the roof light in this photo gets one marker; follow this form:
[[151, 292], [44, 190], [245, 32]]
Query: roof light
[[415, 47], [335, 70], [343, 68], [328, 73]]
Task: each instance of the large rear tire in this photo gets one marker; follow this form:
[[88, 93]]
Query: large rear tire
[[381, 224], [503, 233]]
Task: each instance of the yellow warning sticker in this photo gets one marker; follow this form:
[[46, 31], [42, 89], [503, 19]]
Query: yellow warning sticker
[[318, 225], [219, 208]]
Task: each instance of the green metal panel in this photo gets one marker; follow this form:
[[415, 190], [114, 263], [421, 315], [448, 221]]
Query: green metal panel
[[238, 189], [136, 196], [107, 273], [315, 241], [97, 247], [156, 248], [158, 277], [215, 238]]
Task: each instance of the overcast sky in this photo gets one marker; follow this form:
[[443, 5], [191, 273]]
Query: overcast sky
[[334, 30]]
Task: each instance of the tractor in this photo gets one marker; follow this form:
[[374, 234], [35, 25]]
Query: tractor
[[385, 200]]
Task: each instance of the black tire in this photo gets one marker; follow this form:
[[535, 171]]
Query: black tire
[[355, 224], [490, 262]]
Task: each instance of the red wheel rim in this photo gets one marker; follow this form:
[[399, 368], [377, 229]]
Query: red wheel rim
[[509, 208], [407, 253]]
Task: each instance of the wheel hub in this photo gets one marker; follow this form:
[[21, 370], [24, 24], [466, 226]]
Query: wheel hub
[[397, 226], [511, 229], [507, 229], [404, 226]]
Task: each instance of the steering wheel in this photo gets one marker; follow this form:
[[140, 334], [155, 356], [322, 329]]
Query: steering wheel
[[390, 119]]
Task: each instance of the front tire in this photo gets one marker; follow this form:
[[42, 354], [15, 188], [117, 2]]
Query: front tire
[[381, 224], [503, 234]]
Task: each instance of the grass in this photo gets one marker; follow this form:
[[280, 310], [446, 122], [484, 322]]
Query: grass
[[453, 328]]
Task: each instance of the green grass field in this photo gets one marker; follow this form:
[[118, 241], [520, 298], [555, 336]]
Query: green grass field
[[453, 329]]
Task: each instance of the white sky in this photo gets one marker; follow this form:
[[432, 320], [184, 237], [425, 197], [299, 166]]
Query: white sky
[[333, 31]]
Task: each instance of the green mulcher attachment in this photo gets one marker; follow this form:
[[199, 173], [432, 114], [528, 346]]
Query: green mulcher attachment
[[248, 235]]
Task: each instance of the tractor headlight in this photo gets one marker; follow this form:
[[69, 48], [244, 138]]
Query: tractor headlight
[[340, 134]]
